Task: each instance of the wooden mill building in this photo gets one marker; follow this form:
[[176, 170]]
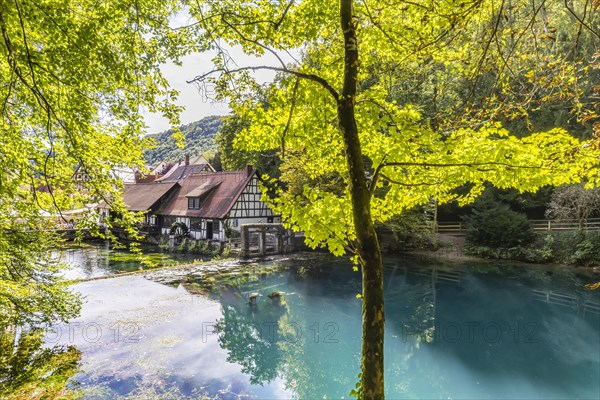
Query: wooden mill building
[[209, 205]]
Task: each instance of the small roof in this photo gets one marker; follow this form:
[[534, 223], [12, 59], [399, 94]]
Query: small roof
[[203, 189], [143, 196], [220, 191], [183, 171]]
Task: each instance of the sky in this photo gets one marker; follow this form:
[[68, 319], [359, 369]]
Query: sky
[[197, 106]]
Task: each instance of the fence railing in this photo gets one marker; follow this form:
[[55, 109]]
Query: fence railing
[[539, 225], [450, 227], [592, 224]]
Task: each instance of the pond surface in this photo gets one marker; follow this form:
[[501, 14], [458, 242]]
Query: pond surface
[[98, 259], [465, 331]]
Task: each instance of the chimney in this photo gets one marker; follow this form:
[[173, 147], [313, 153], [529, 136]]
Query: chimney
[[187, 159], [248, 170]]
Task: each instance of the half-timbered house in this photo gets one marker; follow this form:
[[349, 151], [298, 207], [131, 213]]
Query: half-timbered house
[[213, 205], [149, 198]]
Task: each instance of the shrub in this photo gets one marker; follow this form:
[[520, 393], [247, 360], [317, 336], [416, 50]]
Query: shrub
[[495, 225], [520, 253]]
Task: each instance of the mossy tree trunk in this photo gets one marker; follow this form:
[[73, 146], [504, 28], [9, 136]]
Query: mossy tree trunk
[[368, 245]]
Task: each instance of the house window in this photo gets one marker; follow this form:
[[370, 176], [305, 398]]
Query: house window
[[193, 203], [216, 226], [236, 223], [153, 220], [196, 224]]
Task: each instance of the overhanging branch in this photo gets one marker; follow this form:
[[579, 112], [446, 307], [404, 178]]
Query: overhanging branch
[[482, 164], [303, 75]]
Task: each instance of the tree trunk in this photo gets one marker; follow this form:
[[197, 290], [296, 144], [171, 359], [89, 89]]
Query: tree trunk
[[368, 246]]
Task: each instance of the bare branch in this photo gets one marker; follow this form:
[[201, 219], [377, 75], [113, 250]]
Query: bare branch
[[580, 20], [311, 77]]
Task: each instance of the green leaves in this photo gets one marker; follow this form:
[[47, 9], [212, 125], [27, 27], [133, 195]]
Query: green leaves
[[437, 88], [76, 74]]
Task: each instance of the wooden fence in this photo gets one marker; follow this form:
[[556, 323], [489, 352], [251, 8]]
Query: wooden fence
[[540, 225]]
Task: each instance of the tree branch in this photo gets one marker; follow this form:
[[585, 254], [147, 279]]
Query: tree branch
[[291, 114], [287, 8], [311, 77], [483, 164], [387, 178], [581, 21]]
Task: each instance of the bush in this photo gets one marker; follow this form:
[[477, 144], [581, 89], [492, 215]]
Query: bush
[[520, 253], [576, 248], [561, 247], [412, 230], [585, 253], [494, 225]]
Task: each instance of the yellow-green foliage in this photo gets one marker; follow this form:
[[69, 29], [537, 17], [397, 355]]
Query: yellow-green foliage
[[409, 160], [75, 75]]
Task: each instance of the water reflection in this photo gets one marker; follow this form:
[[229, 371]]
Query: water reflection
[[493, 337], [469, 331], [91, 260], [251, 333], [30, 370], [472, 332]]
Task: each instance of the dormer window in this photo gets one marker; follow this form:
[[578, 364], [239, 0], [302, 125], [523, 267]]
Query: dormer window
[[193, 203], [198, 194]]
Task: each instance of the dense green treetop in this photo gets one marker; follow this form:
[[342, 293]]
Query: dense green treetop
[[486, 48], [233, 158]]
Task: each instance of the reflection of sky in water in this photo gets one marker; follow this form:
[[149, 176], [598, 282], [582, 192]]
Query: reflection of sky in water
[[476, 334], [95, 260], [151, 335]]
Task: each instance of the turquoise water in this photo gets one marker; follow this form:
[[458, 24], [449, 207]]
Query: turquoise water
[[466, 331]]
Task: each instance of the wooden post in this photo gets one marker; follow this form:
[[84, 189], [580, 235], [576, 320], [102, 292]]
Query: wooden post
[[280, 233], [262, 241], [245, 237]]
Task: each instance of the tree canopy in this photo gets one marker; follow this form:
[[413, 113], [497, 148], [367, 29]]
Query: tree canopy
[[342, 116], [411, 158], [76, 76]]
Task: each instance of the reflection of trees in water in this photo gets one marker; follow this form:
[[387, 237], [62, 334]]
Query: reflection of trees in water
[[314, 352], [411, 296], [28, 371], [435, 324], [251, 334], [287, 340], [488, 324]]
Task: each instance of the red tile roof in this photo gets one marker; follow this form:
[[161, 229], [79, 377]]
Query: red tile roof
[[220, 191]]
